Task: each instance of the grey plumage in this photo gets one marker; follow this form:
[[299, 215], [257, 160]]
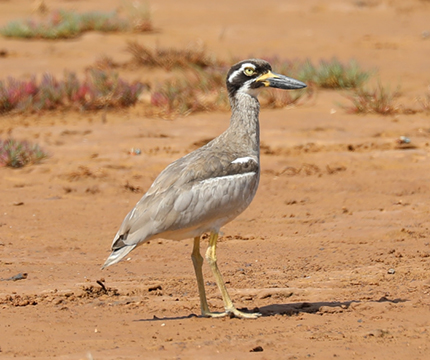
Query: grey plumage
[[209, 187]]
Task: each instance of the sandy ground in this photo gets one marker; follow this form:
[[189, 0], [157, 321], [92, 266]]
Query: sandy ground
[[334, 251]]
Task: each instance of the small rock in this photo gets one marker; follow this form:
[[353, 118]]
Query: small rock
[[256, 349], [404, 140], [391, 271], [155, 287], [377, 333], [135, 151]]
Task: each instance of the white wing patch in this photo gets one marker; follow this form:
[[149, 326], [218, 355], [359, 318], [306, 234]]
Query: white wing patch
[[228, 177], [235, 73], [243, 160]]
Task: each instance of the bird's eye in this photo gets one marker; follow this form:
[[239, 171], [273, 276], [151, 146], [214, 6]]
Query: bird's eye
[[249, 71]]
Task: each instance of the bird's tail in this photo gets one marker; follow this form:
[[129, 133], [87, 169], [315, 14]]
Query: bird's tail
[[117, 255]]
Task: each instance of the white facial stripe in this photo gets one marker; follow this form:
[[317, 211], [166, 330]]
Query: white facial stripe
[[243, 160], [235, 73], [228, 177]]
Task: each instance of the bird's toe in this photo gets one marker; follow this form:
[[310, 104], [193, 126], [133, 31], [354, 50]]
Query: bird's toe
[[242, 315]]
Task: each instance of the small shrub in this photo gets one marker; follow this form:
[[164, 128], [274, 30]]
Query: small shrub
[[169, 58], [65, 24], [17, 154], [194, 92], [105, 62], [334, 75], [379, 100], [100, 89]]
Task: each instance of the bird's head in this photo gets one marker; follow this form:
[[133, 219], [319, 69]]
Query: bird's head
[[250, 76]]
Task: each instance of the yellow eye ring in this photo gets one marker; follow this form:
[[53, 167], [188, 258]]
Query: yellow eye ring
[[249, 71]]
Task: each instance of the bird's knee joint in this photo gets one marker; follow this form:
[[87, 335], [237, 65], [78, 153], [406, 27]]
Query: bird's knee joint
[[197, 259], [210, 259]]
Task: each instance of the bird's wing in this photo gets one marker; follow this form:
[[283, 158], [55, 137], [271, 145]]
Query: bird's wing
[[176, 190]]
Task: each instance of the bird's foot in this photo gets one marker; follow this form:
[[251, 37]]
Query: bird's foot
[[211, 314], [243, 315], [233, 312]]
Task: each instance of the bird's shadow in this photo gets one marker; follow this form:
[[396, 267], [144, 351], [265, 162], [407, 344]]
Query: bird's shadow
[[292, 308], [315, 307]]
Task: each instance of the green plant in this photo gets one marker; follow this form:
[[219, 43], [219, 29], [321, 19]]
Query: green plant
[[378, 100], [333, 74], [65, 24], [330, 74], [16, 154]]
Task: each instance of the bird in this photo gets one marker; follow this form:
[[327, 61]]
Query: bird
[[209, 187]]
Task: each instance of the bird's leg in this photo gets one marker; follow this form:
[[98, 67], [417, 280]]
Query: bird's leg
[[228, 304], [198, 262]]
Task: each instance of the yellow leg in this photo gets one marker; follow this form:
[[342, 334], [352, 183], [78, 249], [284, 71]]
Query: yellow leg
[[228, 304], [198, 262]]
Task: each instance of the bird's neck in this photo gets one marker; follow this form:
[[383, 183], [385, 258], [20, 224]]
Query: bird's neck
[[244, 121]]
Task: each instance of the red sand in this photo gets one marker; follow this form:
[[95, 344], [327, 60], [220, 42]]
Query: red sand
[[316, 250]]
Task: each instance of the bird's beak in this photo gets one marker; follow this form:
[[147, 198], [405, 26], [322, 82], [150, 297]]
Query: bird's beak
[[279, 81]]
